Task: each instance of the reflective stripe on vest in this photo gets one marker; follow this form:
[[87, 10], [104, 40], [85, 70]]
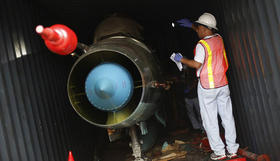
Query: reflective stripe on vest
[[209, 64], [213, 72], [225, 56]]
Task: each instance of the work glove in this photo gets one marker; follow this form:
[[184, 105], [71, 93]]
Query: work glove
[[178, 57], [185, 22]]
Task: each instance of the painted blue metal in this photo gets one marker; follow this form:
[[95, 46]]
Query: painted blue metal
[[109, 86]]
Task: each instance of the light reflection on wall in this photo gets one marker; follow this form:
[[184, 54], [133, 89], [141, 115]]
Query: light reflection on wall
[[19, 46]]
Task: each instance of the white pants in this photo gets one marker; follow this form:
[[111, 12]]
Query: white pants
[[213, 102], [193, 111]]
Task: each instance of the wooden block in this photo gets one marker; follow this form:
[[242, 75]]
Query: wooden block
[[179, 142], [173, 155]]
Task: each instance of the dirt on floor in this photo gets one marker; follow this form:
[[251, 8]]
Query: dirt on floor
[[179, 145]]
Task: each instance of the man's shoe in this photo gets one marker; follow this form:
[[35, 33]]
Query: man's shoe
[[231, 155], [213, 156]]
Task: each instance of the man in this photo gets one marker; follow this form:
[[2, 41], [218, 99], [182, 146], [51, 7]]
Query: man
[[211, 64], [191, 100]]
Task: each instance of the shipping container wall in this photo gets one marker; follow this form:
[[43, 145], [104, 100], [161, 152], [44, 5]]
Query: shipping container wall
[[37, 122], [251, 33]]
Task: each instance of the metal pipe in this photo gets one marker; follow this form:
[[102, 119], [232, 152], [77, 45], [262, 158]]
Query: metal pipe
[[135, 145]]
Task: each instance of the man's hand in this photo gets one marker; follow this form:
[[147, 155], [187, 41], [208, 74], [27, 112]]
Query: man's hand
[[191, 63], [178, 57], [185, 22]]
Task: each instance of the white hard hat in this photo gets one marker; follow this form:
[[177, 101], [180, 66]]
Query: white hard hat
[[208, 20]]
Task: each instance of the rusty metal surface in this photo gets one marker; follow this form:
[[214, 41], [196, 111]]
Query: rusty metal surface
[[252, 37], [118, 25]]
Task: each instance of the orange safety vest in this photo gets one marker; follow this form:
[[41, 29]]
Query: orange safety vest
[[213, 72]]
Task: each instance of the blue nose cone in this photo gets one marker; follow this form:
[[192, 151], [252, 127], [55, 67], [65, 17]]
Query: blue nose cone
[[109, 86]]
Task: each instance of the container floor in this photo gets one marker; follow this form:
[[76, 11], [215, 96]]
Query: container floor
[[179, 145]]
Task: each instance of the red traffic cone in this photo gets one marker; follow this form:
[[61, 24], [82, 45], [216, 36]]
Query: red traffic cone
[[70, 156]]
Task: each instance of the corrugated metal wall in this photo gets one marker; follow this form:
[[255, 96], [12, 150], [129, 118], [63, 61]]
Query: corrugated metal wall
[[251, 31], [37, 122]]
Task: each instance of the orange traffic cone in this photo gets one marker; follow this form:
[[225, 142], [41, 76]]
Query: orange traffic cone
[[70, 156]]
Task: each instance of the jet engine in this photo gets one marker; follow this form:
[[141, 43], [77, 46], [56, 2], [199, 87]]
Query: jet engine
[[116, 83]]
